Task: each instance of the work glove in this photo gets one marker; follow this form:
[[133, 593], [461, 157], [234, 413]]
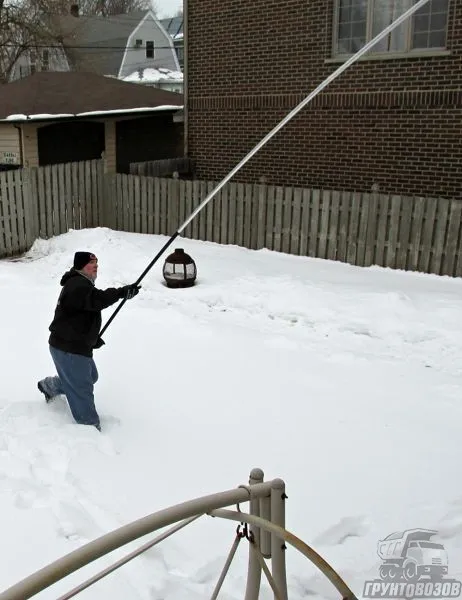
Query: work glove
[[129, 291], [99, 342]]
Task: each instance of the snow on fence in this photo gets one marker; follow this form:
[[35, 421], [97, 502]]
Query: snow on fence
[[401, 232]]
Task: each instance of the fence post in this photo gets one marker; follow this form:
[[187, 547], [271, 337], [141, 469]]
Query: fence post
[[254, 572], [278, 556]]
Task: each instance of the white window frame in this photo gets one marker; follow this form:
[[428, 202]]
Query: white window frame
[[408, 51]]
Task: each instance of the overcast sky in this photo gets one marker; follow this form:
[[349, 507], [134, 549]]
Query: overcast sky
[[167, 8]]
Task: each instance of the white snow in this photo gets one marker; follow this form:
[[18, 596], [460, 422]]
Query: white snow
[[345, 382], [151, 75], [21, 117]]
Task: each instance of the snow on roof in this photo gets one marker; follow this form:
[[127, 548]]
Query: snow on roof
[[151, 75], [21, 117]]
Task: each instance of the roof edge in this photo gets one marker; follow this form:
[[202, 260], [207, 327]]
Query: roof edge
[[20, 118]]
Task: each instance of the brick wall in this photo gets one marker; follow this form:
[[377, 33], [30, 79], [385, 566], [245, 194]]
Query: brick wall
[[395, 122]]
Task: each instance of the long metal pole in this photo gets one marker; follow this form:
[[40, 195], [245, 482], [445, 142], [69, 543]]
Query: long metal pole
[[272, 133]]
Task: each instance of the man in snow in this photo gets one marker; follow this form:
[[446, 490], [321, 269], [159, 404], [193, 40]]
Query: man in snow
[[75, 333]]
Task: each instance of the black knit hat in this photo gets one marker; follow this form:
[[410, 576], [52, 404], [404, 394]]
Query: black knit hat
[[82, 258]]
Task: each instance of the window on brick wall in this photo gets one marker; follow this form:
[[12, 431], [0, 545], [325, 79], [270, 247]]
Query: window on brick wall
[[359, 21]]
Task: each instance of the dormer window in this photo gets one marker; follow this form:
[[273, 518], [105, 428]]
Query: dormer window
[[150, 49]]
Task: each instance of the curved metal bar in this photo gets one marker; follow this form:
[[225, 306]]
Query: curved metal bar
[[123, 561], [294, 541], [81, 557]]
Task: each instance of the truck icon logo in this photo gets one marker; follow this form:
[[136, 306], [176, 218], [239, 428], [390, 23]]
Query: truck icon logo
[[413, 566]]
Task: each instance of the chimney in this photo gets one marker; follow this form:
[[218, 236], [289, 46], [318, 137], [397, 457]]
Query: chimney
[[75, 10]]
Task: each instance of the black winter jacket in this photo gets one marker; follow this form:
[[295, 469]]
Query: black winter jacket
[[77, 319]]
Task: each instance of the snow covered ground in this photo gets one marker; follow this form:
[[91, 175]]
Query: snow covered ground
[[345, 382]]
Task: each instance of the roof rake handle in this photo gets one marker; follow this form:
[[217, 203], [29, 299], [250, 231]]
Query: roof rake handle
[[343, 67]]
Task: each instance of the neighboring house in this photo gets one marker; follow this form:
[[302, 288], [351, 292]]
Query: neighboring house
[[114, 46], [51, 118], [174, 27], [160, 78], [392, 120]]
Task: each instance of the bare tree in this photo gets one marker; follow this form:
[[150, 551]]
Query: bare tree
[[22, 29]]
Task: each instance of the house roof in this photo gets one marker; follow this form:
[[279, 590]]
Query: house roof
[[94, 33], [173, 26], [62, 94]]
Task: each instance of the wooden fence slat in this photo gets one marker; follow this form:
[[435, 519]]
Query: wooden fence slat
[[81, 195], [125, 197], [62, 199], [371, 233], [156, 204], [332, 237], [224, 214], [362, 231], [286, 219], [143, 205], [12, 206], [131, 202], [416, 233], [188, 200], [314, 218], [137, 207], [353, 228], [196, 199], [342, 235], [217, 207], [449, 261], [324, 225], [181, 204], [240, 199], [260, 191], [404, 232], [97, 194], [427, 234], [53, 195], [210, 212], [382, 228], [436, 261], [88, 195], [296, 222], [270, 202], [7, 238], [150, 206], [305, 222], [393, 231], [248, 213], [67, 196], [76, 202], [278, 216], [22, 191], [30, 231]]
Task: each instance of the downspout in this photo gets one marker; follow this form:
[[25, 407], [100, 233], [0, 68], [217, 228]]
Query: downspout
[[185, 78]]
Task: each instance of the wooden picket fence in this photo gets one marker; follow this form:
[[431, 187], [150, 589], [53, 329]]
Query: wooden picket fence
[[409, 233]]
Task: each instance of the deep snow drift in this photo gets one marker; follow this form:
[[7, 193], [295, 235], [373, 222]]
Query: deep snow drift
[[345, 382]]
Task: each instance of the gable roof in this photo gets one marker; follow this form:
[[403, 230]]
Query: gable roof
[[95, 33], [173, 26], [72, 93]]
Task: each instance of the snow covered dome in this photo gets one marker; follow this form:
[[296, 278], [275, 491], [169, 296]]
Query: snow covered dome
[[179, 269]]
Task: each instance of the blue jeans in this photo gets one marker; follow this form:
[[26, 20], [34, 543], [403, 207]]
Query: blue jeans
[[77, 375]]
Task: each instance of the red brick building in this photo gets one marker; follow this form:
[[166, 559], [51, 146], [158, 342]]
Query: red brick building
[[393, 119]]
